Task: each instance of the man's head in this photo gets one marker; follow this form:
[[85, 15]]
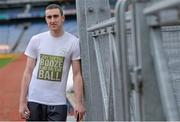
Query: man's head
[[54, 17]]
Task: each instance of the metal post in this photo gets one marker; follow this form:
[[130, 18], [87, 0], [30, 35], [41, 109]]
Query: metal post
[[85, 57], [137, 65], [90, 13], [121, 7], [151, 103]]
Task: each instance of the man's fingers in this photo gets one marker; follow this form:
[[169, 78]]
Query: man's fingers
[[79, 116], [25, 115]]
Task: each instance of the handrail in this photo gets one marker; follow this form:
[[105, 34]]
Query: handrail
[[164, 4], [121, 7]]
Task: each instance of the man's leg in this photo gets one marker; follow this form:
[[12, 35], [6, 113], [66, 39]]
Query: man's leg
[[35, 111], [57, 112]]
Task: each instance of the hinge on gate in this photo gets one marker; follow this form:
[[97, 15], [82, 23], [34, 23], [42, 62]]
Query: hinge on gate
[[103, 31], [136, 78], [140, 87]]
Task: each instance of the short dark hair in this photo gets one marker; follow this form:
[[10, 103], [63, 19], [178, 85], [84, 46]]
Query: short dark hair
[[55, 6]]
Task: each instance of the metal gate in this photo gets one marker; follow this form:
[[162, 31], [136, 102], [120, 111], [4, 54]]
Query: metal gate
[[125, 69]]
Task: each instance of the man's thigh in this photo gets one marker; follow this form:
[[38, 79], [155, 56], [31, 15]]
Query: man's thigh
[[57, 112], [37, 111]]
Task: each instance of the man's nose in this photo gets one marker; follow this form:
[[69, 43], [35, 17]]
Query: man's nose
[[52, 19]]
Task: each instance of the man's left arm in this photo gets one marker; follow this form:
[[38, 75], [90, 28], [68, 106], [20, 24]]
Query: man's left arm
[[78, 89]]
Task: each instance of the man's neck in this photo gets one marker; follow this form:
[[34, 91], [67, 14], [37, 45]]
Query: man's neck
[[57, 33]]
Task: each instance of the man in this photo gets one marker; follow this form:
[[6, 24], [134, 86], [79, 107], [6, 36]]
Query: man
[[49, 56]]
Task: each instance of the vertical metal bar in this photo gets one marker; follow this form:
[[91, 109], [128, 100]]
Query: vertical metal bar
[[102, 80], [115, 77], [110, 84], [137, 64], [121, 37], [118, 38], [112, 111], [166, 88]]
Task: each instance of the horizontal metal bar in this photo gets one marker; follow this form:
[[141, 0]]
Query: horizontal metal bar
[[170, 23], [164, 4], [164, 18], [103, 31], [106, 23]]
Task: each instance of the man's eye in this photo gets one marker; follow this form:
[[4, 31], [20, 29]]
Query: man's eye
[[49, 17], [56, 16], [53, 16]]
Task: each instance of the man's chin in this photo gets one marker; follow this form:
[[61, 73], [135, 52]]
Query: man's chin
[[55, 29]]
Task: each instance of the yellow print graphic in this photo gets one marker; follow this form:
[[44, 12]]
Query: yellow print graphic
[[50, 67]]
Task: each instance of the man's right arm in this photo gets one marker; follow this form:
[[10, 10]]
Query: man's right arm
[[23, 109]]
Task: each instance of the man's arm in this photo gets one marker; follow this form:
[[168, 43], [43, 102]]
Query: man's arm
[[23, 109], [78, 88]]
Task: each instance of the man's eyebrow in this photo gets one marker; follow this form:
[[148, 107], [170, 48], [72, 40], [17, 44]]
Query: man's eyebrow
[[52, 14]]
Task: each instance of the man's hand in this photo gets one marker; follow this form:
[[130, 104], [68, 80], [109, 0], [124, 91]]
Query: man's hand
[[79, 111], [23, 110]]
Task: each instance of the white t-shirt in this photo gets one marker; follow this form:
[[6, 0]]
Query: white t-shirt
[[49, 77]]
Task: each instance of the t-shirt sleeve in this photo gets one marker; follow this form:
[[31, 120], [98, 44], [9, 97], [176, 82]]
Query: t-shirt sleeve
[[31, 49], [76, 51]]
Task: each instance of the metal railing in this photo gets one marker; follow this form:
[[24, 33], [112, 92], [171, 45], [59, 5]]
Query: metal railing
[[131, 68], [119, 57]]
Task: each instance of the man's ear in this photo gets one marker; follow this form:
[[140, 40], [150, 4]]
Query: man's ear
[[63, 18], [45, 19]]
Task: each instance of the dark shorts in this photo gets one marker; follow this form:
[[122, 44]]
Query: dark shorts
[[41, 112]]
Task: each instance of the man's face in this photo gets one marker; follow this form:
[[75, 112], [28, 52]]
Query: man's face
[[54, 19]]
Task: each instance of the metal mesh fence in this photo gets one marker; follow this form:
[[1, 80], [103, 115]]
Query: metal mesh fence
[[171, 44]]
